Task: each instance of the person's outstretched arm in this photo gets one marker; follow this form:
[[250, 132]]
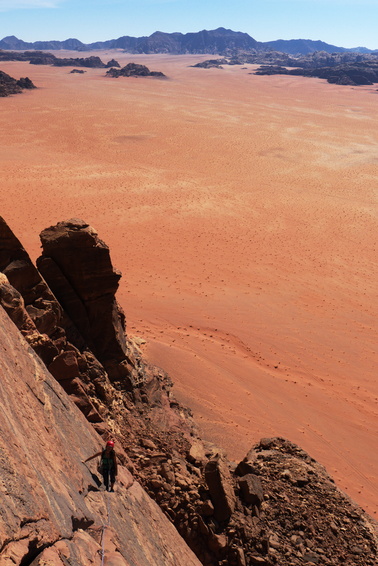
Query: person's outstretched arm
[[91, 457]]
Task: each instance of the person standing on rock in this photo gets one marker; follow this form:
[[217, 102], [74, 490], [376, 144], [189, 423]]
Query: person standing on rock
[[108, 464]]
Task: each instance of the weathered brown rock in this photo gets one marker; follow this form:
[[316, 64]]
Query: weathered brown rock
[[13, 303], [51, 510], [9, 85], [197, 454], [34, 309], [39, 301], [65, 366], [23, 276], [251, 488], [220, 484], [77, 266], [301, 515]]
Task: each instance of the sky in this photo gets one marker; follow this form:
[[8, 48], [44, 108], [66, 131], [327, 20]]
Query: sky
[[344, 23]]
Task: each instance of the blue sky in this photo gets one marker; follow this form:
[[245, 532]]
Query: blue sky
[[345, 23]]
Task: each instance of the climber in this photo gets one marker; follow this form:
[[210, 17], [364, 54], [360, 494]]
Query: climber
[[108, 464]]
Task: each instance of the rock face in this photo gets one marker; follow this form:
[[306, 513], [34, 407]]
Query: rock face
[[348, 74], [338, 68], [9, 85], [276, 507], [34, 309], [76, 264], [93, 62], [43, 58], [52, 510], [133, 70]]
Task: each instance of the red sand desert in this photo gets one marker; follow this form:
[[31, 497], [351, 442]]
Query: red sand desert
[[242, 211]]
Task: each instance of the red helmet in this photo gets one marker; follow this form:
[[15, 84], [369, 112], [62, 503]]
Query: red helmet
[[110, 443]]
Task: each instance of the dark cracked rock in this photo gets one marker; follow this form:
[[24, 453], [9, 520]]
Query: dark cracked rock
[[9, 85], [344, 74], [134, 70]]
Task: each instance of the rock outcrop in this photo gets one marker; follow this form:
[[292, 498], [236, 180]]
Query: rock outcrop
[[32, 306], [347, 74], [9, 85], [134, 70], [113, 63], [43, 58], [211, 64], [52, 511], [76, 264], [92, 62], [276, 507], [337, 68]]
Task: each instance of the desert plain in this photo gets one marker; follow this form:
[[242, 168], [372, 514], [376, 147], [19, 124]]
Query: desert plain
[[242, 212]]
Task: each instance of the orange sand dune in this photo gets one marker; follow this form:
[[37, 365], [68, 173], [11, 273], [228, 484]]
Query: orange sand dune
[[242, 211]]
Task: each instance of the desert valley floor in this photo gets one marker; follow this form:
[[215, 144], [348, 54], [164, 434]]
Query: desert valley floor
[[242, 211]]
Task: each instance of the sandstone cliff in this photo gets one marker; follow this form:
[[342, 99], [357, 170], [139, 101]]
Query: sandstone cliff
[[52, 511], [277, 506]]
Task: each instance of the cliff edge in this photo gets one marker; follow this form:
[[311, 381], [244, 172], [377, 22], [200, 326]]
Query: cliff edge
[[72, 378], [52, 511]]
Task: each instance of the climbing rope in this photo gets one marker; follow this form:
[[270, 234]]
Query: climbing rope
[[104, 527]]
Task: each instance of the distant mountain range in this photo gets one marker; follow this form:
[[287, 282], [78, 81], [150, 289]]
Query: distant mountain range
[[219, 41]]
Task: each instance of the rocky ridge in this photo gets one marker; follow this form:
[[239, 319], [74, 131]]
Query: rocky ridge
[[218, 41], [43, 58], [134, 70], [205, 41], [337, 68], [347, 74], [9, 85], [277, 506]]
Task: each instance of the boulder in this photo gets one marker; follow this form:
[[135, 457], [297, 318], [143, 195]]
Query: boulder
[[65, 366], [251, 489], [221, 488]]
